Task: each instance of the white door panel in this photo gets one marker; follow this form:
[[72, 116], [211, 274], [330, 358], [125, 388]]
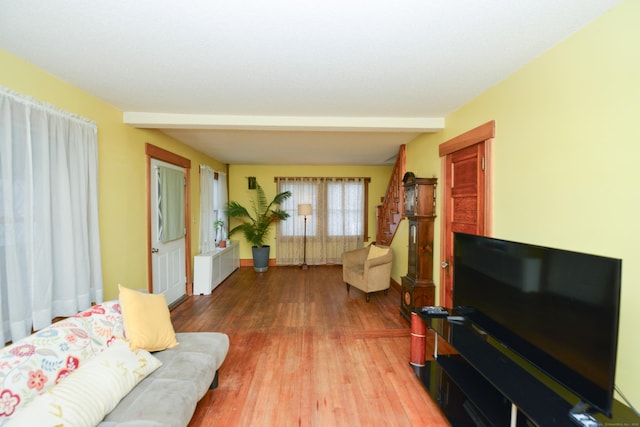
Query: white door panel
[[168, 261]]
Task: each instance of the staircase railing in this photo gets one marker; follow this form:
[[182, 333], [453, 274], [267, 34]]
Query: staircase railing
[[389, 213]]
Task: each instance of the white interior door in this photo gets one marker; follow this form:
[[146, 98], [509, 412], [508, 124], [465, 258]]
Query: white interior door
[[168, 230]]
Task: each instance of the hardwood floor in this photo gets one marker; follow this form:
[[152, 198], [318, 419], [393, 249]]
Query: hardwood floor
[[305, 353]]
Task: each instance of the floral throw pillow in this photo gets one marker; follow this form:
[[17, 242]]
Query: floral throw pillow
[[39, 361]]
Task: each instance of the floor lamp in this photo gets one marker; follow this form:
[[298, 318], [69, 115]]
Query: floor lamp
[[305, 210]]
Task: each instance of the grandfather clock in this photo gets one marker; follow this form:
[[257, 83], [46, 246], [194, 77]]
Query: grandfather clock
[[417, 287]]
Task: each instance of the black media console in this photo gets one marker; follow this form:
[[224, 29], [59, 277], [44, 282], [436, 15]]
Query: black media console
[[476, 382]]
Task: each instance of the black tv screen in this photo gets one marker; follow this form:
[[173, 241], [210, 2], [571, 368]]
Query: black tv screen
[[556, 308]]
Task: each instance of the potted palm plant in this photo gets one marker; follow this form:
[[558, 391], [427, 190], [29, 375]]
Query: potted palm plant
[[256, 224]]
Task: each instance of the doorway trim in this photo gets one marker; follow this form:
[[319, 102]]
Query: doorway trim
[[154, 152], [483, 133]]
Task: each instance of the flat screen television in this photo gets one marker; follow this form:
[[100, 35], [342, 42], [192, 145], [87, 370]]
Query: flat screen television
[[556, 308]]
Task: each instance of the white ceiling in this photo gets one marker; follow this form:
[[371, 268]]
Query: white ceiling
[[289, 81]]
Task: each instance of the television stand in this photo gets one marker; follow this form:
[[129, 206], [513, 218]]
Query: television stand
[[581, 416], [477, 383]]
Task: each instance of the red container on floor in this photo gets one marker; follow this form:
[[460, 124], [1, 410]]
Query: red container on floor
[[418, 341]]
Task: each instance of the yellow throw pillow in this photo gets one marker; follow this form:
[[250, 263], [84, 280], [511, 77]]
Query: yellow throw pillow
[[375, 252], [147, 321]]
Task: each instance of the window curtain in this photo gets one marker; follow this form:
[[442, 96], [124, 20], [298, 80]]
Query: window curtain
[[336, 224], [171, 204], [207, 195], [220, 202], [50, 262]]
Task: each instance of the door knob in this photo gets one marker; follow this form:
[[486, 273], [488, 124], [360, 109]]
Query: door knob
[[444, 264], [155, 250]]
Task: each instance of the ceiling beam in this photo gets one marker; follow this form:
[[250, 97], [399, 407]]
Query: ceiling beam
[[283, 123]]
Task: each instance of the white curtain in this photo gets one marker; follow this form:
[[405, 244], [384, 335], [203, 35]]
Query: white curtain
[[170, 204], [336, 224], [50, 262], [221, 199], [207, 230]]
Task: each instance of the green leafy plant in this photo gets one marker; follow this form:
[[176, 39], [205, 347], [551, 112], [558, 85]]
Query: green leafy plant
[[256, 224]]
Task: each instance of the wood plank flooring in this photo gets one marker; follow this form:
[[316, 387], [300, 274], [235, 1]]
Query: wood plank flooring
[[305, 353]]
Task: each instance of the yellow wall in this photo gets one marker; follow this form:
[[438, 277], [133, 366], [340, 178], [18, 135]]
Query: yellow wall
[[265, 176], [565, 168], [121, 175]]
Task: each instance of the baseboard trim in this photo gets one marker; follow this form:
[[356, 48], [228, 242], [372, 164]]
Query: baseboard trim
[[395, 285]]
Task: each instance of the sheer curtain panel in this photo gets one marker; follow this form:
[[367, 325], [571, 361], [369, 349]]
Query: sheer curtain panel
[[50, 261], [220, 202], [171, 204], [207, 196], [336, 224]]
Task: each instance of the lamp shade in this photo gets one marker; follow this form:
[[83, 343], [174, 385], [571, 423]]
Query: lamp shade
[[305, 209]]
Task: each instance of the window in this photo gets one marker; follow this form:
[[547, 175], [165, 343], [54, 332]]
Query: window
[[345, 209], [338, 222], [301, 192], [213, 198]]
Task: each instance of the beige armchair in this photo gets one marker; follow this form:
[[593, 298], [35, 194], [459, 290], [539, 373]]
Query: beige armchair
[[368, 269]]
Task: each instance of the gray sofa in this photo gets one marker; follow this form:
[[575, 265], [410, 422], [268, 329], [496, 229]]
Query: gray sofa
[[81, 371], [168, 396]]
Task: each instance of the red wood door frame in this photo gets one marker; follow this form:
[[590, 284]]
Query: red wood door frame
[[152, 151], [472, 152]]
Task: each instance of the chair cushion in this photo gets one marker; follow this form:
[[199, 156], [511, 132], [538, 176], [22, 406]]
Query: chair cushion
[[375, 252]]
